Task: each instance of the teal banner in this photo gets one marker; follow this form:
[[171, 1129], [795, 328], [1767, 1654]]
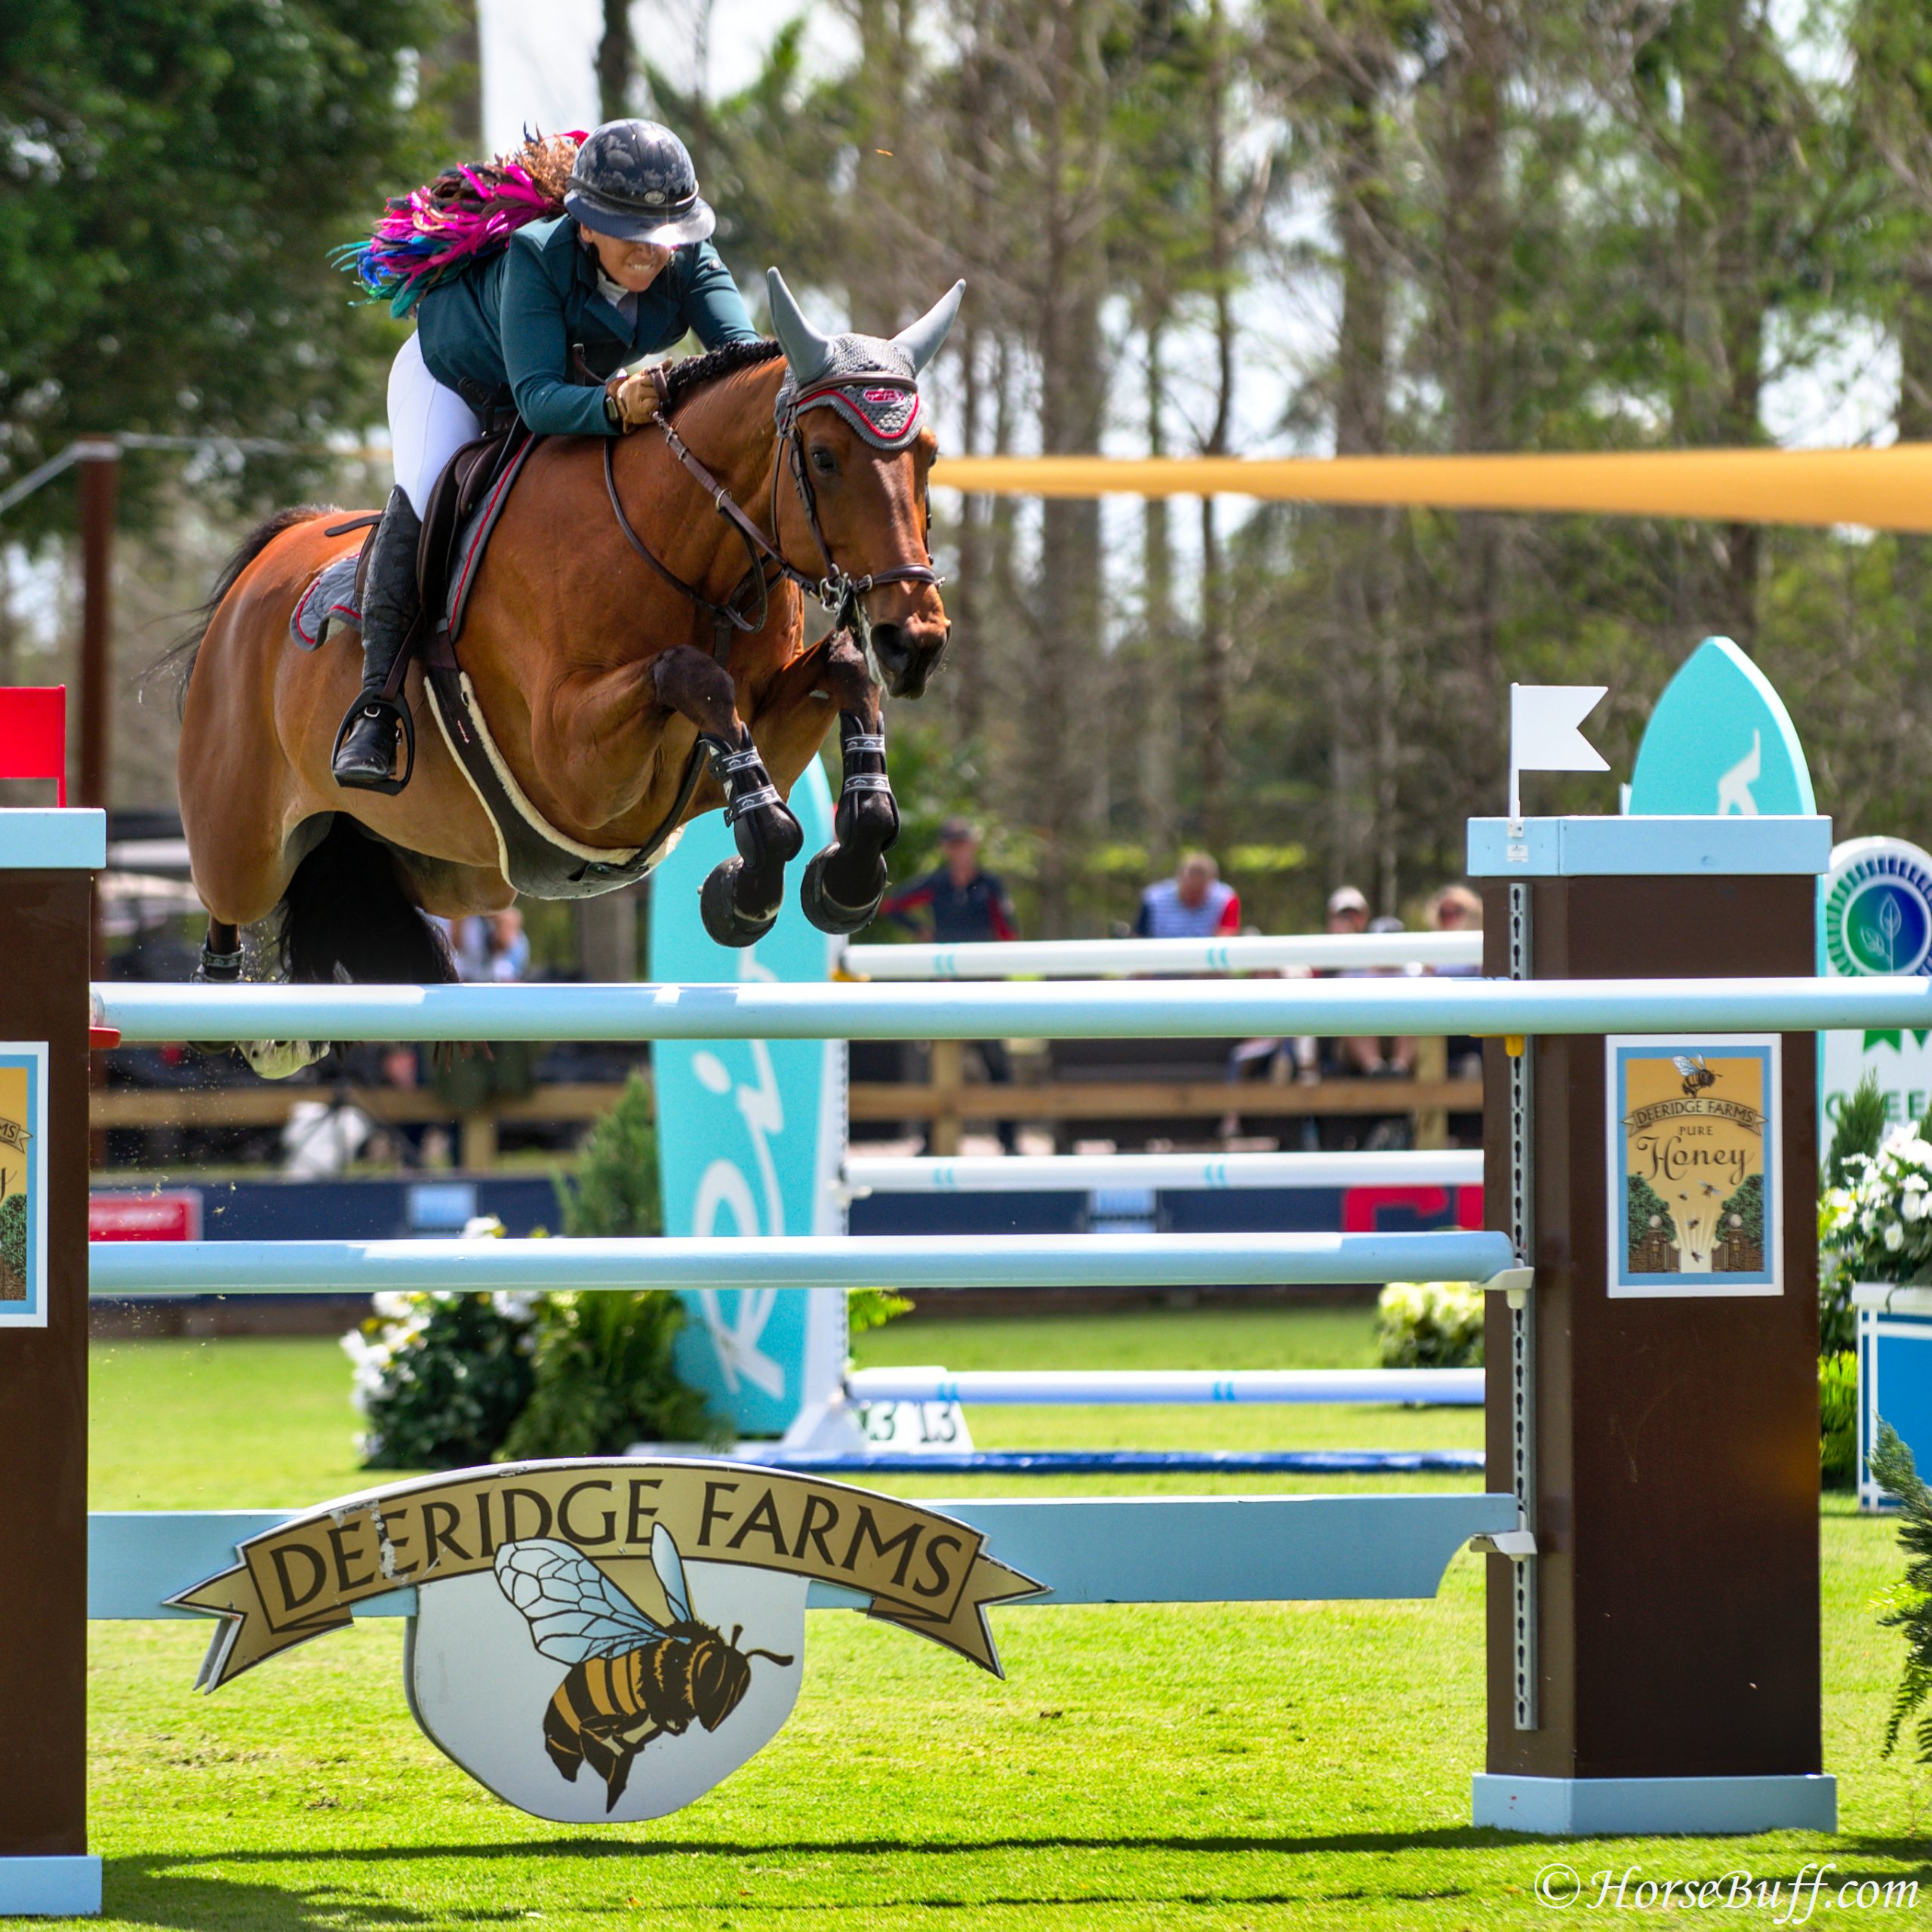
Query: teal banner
[[751, 1136]]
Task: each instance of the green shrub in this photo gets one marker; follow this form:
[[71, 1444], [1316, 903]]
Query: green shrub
[[1860, 1127], [616, 1192], [441, 1378], [606, 1378], [605, 1375], [1837, 1419], [1430, 1325], [872, 1308], [1854, 1149], [1909, 1607]]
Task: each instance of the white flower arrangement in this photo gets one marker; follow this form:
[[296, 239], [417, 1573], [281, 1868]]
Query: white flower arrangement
[[1878, 1226]]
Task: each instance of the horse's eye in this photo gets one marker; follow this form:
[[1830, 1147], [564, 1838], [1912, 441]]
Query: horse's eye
[[824, 462]]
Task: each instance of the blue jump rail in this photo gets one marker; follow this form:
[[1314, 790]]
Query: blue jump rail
[[803, 1261], [1152, 1550], [1174, 1010]]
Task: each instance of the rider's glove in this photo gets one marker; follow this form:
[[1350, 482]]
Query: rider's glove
[[630, 401]]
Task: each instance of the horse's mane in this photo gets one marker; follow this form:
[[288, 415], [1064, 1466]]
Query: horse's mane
[[695, 372]]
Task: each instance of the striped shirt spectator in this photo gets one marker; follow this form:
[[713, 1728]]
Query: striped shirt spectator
[[1194, 904]]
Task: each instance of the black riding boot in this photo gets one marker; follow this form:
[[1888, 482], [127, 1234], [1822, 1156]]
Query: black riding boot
[[365, 746]]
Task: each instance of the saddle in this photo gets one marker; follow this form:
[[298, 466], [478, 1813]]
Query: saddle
[[464, 508]]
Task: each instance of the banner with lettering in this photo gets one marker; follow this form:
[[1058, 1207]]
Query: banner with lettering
[[568, 1648]]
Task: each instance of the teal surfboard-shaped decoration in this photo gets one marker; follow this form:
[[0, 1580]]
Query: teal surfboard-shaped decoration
[[750, 1137], [1719, 743]]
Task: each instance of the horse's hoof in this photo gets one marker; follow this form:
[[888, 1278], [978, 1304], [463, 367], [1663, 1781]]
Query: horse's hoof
[[276, 1059], [824, 911], [718, 908]]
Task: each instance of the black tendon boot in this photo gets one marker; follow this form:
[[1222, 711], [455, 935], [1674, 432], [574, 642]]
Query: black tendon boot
[[365, 746], [741, 896]]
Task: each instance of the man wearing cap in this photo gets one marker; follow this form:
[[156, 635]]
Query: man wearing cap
[[961, 904], [1348, 911]]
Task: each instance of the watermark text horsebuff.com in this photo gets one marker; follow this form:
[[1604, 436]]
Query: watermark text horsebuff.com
[[1790, 1901]]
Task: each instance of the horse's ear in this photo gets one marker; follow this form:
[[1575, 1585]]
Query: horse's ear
[[921, 339], [808, 353]]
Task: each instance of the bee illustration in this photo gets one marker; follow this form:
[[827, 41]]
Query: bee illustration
[[1696, 1074], [630, 1677]]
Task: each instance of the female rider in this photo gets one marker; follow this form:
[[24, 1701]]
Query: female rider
[[545, 324]]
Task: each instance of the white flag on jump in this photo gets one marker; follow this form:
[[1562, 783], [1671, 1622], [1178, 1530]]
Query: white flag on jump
[[1543, 735]]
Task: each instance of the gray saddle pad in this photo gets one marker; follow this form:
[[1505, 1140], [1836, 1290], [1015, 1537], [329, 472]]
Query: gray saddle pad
[[330, 599]]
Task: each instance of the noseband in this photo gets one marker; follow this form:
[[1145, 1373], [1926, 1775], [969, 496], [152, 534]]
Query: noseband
[[837, 591]]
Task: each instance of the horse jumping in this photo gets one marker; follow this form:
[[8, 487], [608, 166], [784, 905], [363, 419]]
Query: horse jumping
[[621, 629]]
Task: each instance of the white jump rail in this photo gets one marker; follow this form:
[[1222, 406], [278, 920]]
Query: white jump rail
[[796, 1261], [1083, 1173], [1210, 1009], [1100, 958], [1461, 1388]]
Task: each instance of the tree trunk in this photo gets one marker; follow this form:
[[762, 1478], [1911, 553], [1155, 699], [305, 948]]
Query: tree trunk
[[1361, 649], [617, 62], [1476, 241], [1159, 706], [452, 72], [1212, 686]]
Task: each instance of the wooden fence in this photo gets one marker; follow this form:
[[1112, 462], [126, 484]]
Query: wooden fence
[[944, 1103]]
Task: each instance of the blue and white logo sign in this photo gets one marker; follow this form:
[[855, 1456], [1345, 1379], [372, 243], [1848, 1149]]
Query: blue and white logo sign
[[750, 1134], [1877, 919], [1878, 908]]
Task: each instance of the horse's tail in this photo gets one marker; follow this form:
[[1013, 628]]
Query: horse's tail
[[181, 653], [346, 914]]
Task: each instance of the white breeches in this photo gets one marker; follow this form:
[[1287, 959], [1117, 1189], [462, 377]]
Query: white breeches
[[428, 425]]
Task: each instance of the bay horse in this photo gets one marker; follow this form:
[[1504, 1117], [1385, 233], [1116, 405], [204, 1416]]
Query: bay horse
[[639, 612]]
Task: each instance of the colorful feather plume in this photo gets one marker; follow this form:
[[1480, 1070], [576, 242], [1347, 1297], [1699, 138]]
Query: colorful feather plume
[[465, 214]]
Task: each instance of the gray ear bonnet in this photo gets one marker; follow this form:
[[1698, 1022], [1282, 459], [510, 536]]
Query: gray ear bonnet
[[871, 381]]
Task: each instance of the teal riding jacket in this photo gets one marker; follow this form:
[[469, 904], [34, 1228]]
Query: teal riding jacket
[[508, 330]]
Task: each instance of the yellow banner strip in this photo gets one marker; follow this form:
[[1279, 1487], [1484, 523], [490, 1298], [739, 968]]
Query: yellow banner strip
[[1888, 489]]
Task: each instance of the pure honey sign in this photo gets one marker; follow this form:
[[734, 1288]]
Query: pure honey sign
[[23, 1185], [1693, 1140]]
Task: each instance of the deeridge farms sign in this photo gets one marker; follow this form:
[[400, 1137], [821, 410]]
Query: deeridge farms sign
[[573, 1615]]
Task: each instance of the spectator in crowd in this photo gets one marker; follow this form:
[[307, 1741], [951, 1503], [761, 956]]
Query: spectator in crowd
[[1360, 1058], [491, 946], [957, 903], [510, 945], [1457, 910], [1194, 904], [1348, 911]]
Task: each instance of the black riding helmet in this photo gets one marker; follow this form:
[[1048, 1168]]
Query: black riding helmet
[[634, 179]]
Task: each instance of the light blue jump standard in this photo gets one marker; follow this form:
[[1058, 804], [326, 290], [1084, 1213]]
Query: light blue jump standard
[[46, 859]]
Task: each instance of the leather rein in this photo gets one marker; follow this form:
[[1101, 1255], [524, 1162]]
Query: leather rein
[[837, 591]]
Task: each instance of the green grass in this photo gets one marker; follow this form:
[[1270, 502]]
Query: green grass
[[1295, 1765]]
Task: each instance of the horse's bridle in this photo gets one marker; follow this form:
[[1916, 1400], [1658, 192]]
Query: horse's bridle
[[837, 591]]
